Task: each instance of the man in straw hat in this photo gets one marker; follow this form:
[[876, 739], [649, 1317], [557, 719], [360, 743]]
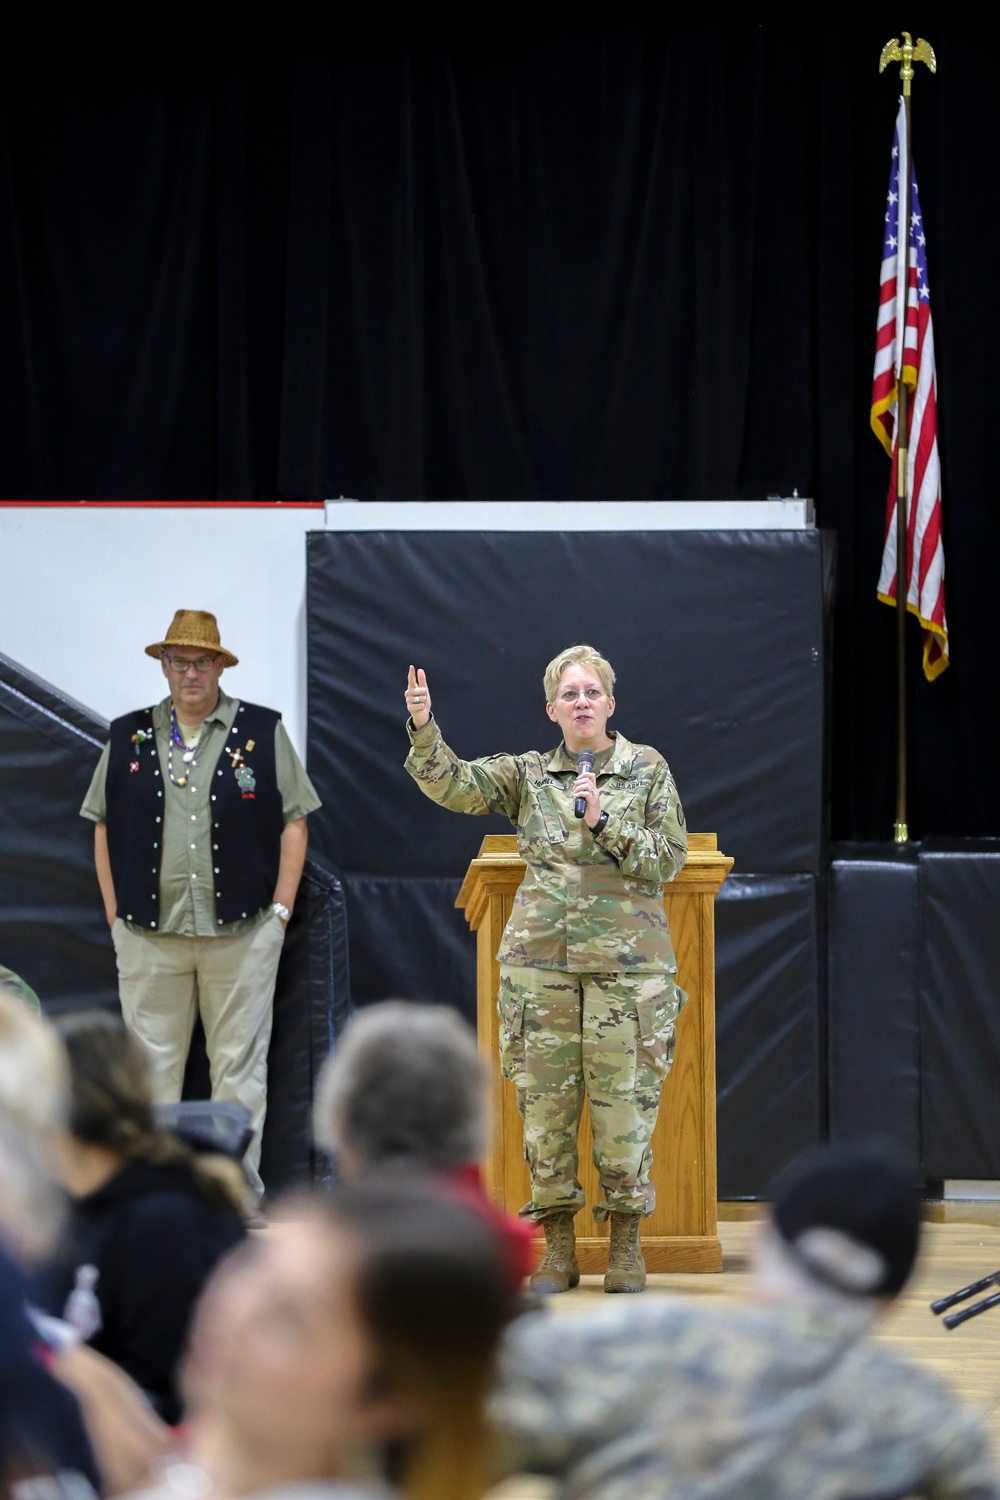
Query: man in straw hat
[[200, 805]]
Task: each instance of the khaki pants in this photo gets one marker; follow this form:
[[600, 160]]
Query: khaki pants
[[164, 981], [609, 1036]]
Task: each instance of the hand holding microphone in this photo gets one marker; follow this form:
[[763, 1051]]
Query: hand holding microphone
[[588, 800], [584, 763]]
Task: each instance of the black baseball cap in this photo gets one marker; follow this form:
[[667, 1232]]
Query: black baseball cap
[[862, 1191]]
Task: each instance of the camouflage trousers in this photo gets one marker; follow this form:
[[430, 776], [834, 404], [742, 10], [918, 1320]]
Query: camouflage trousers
[[607, 1036]]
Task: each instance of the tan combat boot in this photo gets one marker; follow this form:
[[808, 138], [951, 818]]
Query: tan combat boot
[[558, 1270], [626, 1267]]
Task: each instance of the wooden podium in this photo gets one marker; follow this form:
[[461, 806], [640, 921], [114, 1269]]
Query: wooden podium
[[682, 1233]]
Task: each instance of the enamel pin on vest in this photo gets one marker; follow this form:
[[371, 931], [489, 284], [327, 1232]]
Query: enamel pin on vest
[[245, 779]]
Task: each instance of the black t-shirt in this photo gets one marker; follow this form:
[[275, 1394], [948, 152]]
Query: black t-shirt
[[133, 1260]]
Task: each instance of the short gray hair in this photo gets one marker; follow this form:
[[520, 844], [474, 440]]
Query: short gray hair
[[578, 656], [407, 1084]]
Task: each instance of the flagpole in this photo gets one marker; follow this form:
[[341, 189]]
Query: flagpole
[[905, 56], [901, 829]]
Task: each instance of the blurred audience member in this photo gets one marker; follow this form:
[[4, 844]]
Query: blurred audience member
[[122, 1428], [435, 1293], [31, 1206], [361, 1328], [147, 1223], [406, 1090], [125, 1432], [44, 1447], [34, 1080], [786, 1398], [12, 984]]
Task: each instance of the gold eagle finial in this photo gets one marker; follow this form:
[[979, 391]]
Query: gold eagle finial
[[906, 55]]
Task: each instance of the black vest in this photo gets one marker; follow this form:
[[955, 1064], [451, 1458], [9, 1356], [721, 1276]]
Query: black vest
[[247, 818]]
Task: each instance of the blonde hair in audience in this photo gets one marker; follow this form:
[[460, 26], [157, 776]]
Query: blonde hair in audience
[[34, 1076], [578, 656], [31, 1205]]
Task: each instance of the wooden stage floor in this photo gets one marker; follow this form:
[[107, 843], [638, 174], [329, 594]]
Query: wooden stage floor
[[953, 1255]]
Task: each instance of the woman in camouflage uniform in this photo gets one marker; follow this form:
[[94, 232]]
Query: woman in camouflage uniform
[[588, 1000]]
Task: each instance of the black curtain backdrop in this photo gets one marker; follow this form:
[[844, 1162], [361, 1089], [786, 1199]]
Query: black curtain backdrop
[[524, 262]]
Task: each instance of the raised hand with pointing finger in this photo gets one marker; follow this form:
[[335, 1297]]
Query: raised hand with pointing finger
[[418, 698]]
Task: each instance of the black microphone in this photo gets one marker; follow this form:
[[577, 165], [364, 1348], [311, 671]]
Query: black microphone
[[584, 762]]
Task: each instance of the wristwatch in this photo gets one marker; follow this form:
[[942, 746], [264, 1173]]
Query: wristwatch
[[601, 823], [280, 910]]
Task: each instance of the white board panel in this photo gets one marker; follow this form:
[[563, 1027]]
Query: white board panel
[[795, 514], [84, 588]]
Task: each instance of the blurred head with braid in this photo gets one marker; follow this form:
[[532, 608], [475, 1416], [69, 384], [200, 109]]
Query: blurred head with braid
[[134, 1190], [111, 1120]]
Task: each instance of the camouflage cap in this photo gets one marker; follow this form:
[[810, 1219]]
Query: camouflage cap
[[18, 989]]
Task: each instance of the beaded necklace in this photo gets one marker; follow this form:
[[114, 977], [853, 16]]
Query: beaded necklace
[[176, 738]]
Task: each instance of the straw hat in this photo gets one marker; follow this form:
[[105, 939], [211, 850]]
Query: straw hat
[[193, 627]]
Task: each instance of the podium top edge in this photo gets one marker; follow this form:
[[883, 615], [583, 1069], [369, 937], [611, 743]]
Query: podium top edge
[[498, 857], [505, 844], [496, 871]]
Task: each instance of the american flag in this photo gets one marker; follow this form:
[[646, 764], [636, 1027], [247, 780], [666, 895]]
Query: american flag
[[905, 338]]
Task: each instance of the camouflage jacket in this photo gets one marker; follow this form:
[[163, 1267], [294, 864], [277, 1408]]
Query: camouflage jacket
[[662, 1398], [587, 904]]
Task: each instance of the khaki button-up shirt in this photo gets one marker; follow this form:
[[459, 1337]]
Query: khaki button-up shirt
[[187, 874], [588, 903]]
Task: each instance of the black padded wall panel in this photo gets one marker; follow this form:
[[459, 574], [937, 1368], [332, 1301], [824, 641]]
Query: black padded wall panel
[[409, 942], [873, 996], [717, 639], [769, 1069], [311, 1007], [960, 1008], [52, 926]]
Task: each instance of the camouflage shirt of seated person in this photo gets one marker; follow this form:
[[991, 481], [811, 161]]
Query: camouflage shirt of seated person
[[589, 903], [757, 1403]]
